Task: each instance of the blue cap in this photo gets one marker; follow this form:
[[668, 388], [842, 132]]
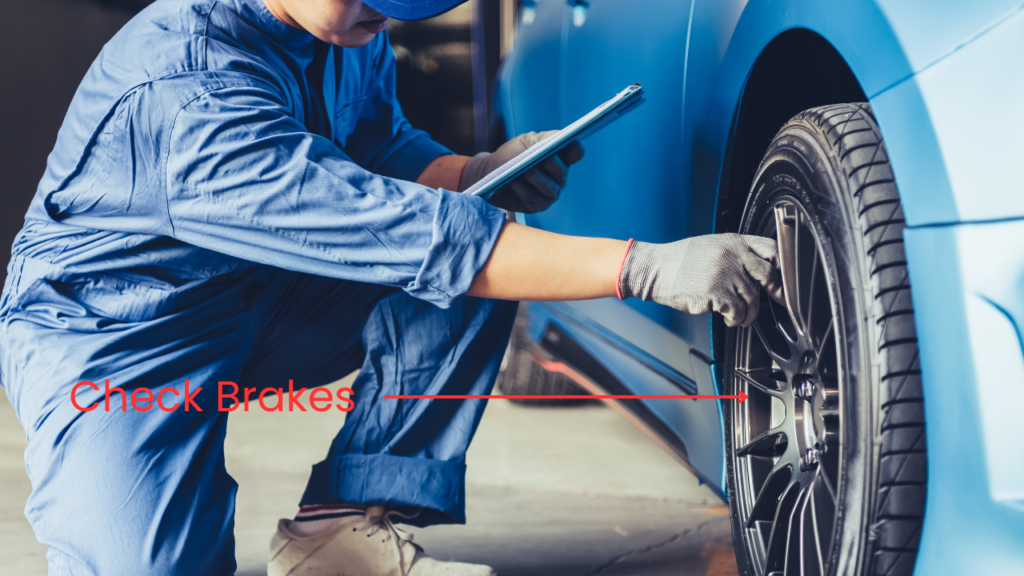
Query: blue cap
[[412, 9]]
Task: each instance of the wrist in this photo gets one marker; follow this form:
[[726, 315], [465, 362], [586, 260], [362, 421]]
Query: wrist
[[462, 175], [445, 171], [640, 270], [472, 171], [622, 266]]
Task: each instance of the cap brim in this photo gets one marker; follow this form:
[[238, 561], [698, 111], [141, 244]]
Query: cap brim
[[412, 9]]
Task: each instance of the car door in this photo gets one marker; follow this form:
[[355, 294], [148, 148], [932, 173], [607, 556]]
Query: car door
[[531, 74], [629, 185], [632, 184]]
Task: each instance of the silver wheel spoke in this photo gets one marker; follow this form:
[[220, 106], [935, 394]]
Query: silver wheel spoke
[[778, 478], [828, 485], [764, 444], [775, 557], [810, 549], [819, 523], [793, 537], [768, 344], [809, 316], [760, 380], [786, 230], [824, 338]]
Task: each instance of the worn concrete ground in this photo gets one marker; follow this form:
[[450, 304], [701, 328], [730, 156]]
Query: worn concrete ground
[[572, 491]]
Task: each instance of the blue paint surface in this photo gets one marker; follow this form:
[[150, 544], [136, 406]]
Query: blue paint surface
[[943, 80]]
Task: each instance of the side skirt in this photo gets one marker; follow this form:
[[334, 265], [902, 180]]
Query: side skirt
[[557, 351]]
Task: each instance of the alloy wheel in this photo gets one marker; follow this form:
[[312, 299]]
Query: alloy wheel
[[788, 435]]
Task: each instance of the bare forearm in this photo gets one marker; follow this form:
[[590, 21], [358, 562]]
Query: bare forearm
[[444, 172], [531, 264]]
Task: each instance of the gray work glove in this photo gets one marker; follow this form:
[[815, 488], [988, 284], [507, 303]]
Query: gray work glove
[[535, 190], [720, 272]]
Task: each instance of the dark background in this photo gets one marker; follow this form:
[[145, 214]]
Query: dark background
[[47, 46]]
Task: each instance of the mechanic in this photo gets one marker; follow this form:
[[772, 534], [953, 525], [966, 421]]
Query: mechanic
[[235, 196]]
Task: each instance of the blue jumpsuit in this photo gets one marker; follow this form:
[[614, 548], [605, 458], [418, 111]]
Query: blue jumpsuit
[[230, 199]]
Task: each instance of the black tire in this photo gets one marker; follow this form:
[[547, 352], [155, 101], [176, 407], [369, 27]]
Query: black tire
[[829, 451], [521, 376]]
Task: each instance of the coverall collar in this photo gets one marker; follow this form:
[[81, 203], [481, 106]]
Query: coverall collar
[[282, 33]]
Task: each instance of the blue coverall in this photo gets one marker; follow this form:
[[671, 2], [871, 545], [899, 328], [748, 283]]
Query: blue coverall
[[230, 199]]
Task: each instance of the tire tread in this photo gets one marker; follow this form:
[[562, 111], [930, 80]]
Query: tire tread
[[902, 469]]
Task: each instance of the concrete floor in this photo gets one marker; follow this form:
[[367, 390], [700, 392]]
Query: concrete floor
[[572, 491]]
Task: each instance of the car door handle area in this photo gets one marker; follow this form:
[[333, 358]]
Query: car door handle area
[[527, 12], [579, 12]]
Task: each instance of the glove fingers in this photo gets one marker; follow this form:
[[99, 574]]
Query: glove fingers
[[774, 288], [753, 309], [544, 186], [767, 275], [746, 299], [513, 148], [531, 138], [507, 199], [534, 191], [734, 311], [527, 200], [522, 193], [572, 153], [555, 169], [766, 248]]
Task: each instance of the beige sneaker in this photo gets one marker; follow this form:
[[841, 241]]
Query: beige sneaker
[[367, 545]]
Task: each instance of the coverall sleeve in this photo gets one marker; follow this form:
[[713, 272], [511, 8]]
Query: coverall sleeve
[[383, 141], [246, 179]]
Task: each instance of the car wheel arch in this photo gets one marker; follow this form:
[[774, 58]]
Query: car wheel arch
[[777, 88]]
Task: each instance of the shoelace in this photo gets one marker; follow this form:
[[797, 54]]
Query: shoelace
[[380, 518]]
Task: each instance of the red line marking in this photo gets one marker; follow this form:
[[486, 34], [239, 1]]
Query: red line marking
[[570, 397]]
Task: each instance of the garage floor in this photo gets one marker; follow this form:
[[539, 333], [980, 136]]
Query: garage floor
[[572, 491]]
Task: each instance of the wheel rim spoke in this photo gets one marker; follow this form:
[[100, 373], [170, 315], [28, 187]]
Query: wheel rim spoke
[[793, 536], [778, 480], [769, 344], [786, 232], [828, 485], [809, 298], [764, 444], [823, 517], [825, 338], [810, 548], [760, 380], [775, 559]]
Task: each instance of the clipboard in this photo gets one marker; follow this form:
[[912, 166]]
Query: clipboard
[[594, 121]]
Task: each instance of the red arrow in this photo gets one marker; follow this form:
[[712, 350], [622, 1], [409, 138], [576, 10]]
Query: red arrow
[[741, 397]]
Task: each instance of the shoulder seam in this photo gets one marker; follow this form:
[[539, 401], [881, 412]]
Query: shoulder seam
[[201, 30], [167, 150], [220, 85]]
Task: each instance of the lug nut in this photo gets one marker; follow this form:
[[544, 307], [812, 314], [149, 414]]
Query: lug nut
[[805, 389], [811, 457]]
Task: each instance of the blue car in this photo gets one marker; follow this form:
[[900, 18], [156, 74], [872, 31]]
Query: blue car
[[880, 142]]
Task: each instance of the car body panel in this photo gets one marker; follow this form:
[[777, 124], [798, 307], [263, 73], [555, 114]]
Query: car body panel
[[972, 101], [686, 418], [943, 84], [536, 110], [969, 296], [930, 30]]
